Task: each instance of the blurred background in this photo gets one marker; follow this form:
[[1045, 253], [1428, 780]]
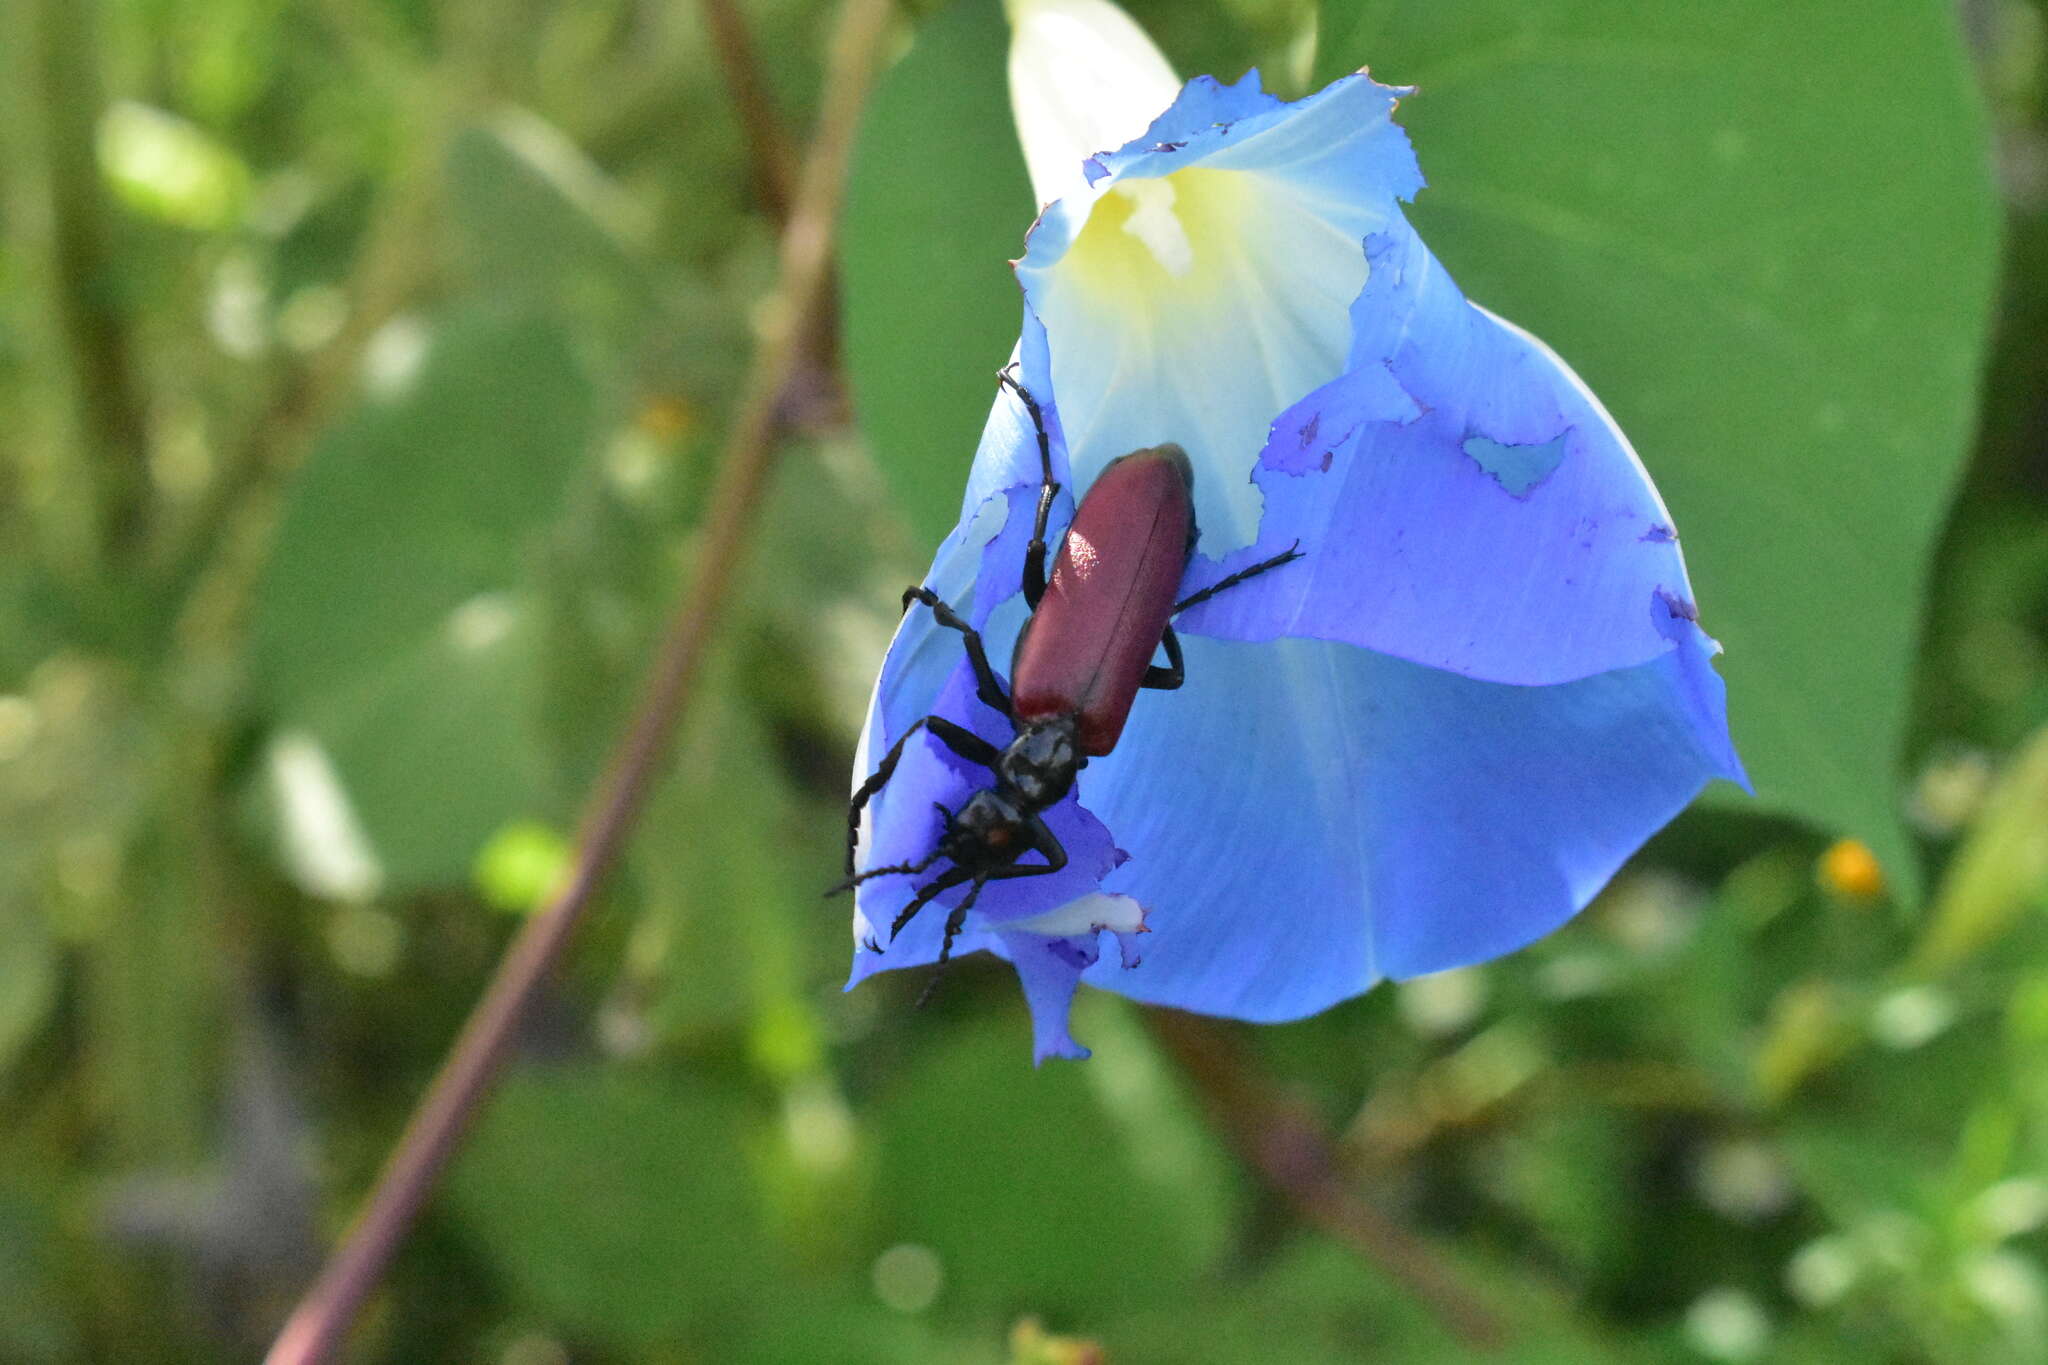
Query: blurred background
[[363, 368]]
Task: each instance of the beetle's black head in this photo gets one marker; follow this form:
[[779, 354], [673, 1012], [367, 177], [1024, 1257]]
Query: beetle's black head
[[1041, 762], [986, 832]]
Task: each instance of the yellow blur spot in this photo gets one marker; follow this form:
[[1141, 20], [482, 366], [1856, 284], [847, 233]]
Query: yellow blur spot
[[666, 417], [1851, 871], [1031, 1344]]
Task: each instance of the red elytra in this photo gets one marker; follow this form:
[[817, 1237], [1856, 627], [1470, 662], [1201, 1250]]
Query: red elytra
[[1085, 649]]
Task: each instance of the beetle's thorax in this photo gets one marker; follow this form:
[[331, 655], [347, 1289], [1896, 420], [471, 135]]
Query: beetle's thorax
[[1039, 766]]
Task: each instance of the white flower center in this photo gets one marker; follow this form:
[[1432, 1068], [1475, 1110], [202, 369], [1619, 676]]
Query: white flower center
[[1152, 221]]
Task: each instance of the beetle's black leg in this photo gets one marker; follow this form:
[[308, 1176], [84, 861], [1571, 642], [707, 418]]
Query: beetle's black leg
[[955, 922], [1291, 553], [1038, 835], [939, 885], [1175, 673], [875, 782], [1034, 553], [960, 740], [964, 742], [985, 683], [1046, 842]]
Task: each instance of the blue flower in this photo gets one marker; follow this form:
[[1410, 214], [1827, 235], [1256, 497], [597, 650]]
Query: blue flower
[[1428, 742]]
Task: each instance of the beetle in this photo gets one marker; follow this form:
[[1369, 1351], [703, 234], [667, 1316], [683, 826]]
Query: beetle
[[1083, 655]]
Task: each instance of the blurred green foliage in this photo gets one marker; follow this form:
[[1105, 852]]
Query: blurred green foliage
[[363, 363]]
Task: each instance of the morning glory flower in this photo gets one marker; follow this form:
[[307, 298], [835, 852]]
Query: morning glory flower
[[1429, 741]]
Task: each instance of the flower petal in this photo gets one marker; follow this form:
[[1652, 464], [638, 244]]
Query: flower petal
[[1202, 284], [1505, 530], [1307, 817], [1084, 79], [1050, 970]]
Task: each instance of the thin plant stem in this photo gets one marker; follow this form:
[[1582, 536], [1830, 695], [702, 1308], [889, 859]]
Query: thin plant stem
[[1288, 1148], [768, 147], [323, 1317], [773, 164]]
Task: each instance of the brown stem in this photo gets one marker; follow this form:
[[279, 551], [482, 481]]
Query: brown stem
[[773, 163], [322, 1318], [1289, 1149], [768, 146]]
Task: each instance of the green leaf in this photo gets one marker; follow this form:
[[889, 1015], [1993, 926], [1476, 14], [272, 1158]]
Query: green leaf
[[937, 206], [1032, 1190], [538, 218], [389, 624], [1567, 1172], [1777, 278], [616, 1204], [1315, 1302], [436, 743], [1850, 1177]]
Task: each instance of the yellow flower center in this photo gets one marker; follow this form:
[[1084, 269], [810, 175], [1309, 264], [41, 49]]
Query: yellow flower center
[[1194, 308], [1174, 236]]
